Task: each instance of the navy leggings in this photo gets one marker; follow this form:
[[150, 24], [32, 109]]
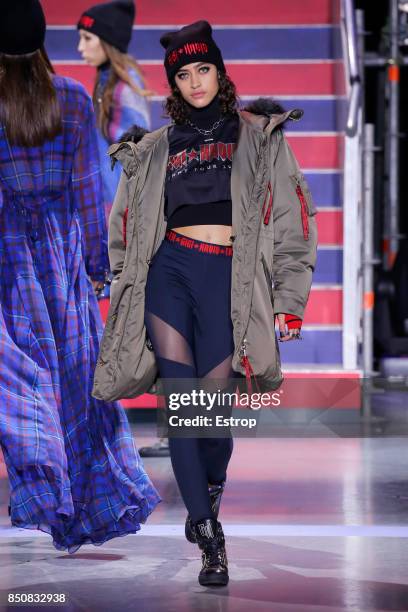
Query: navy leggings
[[188, 320]]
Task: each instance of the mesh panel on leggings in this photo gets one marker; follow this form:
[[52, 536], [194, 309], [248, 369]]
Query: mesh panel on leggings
[[167, 342]]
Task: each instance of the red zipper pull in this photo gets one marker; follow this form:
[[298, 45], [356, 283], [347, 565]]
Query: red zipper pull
[[267, 214], [248, 372], [303, 212], [124, 224]]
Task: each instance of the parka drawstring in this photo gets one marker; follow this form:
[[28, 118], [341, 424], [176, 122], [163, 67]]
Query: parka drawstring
[[249, 372]]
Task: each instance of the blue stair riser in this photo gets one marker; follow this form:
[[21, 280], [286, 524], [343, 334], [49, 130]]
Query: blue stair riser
[[329, 266], [325, 188], [317, 346], [327, 115], [237, 43]]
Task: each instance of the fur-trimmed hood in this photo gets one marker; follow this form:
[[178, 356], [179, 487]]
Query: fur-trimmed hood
[[268, 107], [261, 106]]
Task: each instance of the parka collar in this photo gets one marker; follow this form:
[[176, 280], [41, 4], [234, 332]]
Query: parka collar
[[263, 116]]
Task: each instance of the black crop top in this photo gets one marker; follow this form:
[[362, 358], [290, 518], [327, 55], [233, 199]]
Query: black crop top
[[198, 177]]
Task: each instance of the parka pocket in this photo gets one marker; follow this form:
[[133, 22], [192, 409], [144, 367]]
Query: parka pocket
[[114, 324], [113, 287], [105, 346], [307, 208]]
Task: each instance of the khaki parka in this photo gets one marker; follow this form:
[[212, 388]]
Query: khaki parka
[[274, 253]]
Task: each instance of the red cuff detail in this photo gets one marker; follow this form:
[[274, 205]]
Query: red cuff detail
[[293, 322]]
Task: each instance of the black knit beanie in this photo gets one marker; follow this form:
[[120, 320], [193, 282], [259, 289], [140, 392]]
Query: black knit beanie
[[112, 22], [22, 27], [193, 43]]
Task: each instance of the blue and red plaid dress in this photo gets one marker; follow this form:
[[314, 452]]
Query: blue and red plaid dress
[[73, 467]]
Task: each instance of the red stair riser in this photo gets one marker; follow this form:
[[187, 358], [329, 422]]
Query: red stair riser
[[324, 307], [160, 12], [330, 226]]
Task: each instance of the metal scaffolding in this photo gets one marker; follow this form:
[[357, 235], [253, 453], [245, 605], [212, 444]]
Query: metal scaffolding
[[359, 256], [392, 208]]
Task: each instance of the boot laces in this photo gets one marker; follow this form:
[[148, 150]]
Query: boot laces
[[214, 554]]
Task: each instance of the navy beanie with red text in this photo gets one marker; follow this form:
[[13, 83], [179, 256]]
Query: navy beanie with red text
[[111, 21], [193, 43]]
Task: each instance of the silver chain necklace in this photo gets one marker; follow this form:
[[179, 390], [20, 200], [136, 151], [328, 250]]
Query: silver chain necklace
[[206, 132]]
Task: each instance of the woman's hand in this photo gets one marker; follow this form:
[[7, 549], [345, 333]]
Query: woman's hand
[[98, 286], [290, 334]]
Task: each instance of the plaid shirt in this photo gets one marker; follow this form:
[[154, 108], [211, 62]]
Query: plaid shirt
[[73, 467]]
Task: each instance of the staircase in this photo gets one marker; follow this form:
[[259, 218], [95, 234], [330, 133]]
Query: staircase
[[291, 51]]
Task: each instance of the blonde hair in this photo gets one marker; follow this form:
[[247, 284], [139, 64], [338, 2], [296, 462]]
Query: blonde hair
[[120, 64]]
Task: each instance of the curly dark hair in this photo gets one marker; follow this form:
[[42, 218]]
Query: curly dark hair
[[177, 108]]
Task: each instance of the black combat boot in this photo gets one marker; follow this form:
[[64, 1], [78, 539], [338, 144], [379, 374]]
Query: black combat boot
[[211, 541], [215, 492]]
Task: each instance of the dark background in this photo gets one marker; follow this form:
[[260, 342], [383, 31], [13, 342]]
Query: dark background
[[376, 18]]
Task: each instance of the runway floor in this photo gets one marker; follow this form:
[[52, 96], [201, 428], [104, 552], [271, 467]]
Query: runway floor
[[313, 524]]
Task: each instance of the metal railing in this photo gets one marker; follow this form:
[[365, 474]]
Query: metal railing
[[392, 202], [351, 25], [353, 64]]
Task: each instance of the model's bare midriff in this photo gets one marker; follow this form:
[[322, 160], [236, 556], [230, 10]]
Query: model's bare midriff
[[216, 234]]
